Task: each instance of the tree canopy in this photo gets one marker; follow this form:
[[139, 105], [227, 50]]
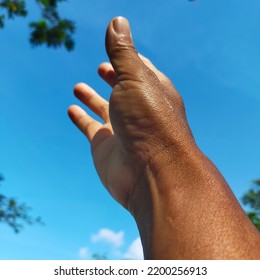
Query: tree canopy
[[50, 29], [252, 199], [15, 214]]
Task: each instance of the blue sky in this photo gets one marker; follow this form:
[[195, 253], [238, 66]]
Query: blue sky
[[209, 49]]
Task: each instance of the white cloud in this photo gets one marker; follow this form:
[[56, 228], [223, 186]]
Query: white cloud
[[116, 239], [135, 250], [83, 252]]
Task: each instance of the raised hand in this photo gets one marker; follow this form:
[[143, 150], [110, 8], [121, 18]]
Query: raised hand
[[146, 157], [145, 116]]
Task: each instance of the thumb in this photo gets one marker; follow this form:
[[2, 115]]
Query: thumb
[[121, 50]]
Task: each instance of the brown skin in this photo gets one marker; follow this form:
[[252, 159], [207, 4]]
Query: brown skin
[[147, 159]]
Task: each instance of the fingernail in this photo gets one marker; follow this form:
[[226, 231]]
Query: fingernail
[[121, 26]]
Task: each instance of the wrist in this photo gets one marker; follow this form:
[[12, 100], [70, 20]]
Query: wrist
[[162, 194], [183, 202]]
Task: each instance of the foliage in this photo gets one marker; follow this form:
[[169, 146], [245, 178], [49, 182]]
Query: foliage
[[50, 30], [15, 214], [14, 8], [252, 199]]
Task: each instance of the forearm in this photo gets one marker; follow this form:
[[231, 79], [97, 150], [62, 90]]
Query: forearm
[[193, 214], [147, 159]]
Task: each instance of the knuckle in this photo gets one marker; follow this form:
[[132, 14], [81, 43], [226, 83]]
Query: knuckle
[[86, 124], [103, 111], [122, 45]]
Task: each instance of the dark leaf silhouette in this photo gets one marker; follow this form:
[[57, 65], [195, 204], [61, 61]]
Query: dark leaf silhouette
[[252, 199], [50, 30], [15, 214]]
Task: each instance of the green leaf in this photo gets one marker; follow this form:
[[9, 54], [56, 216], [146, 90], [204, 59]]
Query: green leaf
[[252, 199], [14, 8], [69, 44], [256, 182], [2, 18], [50, 30], [12, 203], [15, 214]]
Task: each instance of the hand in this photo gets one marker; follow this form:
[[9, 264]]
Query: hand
[[145, 116], [147, 159]]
